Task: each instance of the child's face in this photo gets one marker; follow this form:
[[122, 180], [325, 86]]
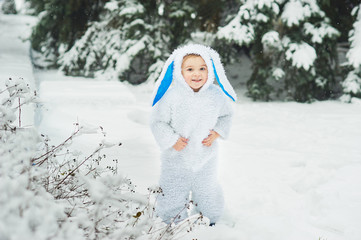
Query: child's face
[[194, 71]]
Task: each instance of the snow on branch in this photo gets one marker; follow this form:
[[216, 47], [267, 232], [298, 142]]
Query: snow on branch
[[301, 55], [52, 192], [353, 55], [352, 83]]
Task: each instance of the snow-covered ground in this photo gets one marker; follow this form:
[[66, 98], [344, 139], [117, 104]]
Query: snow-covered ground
[[290, 171], [14, 54]]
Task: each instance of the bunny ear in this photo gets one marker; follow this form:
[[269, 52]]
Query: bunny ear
[[221, 76], [163, 83]]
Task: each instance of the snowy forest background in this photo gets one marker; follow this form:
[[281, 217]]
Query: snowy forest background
[[297, 48], [290, 170]]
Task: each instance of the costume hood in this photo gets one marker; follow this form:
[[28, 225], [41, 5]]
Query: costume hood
[[172, 71]]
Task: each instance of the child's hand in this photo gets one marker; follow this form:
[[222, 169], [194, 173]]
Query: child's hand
[[210, 139], [180, 144]]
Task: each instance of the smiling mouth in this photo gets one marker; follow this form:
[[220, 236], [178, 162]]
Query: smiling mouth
[[197, 80]]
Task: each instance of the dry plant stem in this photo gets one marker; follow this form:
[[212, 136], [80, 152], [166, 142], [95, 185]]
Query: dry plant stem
[[155, 202], [54, 149], [26, 102], [73, 189], [181, 228], [75, 196], [90, 171], [178, 228], [7, 89], [108, 215], [19, 113], [170, 224], [8, 128], [86, 159]]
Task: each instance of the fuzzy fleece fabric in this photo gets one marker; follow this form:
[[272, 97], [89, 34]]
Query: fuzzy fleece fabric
[[181, 112]]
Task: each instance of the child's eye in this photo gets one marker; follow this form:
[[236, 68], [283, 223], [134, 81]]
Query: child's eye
[[189, 69], [203, 68]]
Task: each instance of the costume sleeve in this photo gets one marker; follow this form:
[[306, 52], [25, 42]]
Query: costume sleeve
[[161, 128], [224, 121]]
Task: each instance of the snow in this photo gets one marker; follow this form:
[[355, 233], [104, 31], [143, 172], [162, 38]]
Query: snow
[[111, 6], [302, 55], [354, 56], [261, 18], [262, 3], [132, 9], [237, 32], [320, 33], [272, 39], [289, 170], [105, 50], [352, 83], [297, 11], [14, 58], [294, 13], [278, 73], [161, 9]]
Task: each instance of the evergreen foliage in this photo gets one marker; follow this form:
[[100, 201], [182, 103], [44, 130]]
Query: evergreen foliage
[[8, 7], [61, 23], [209, 13], [352, 83], [131, 40], [292, 43], [37, 6], [339, 13], [292, 46]]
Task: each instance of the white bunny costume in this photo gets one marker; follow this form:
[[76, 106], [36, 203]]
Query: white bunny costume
[[178, 111]]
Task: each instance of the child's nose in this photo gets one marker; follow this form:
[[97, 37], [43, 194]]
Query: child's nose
[[196, 73]]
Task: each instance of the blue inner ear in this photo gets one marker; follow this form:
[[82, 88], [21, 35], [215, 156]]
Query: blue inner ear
[[164, 85], [219, 82]]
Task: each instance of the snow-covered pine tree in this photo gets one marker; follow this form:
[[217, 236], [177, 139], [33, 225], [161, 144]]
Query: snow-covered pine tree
[[100, 48], [352, 83], [8, 7], [131, 40], [36, 6], [292, 48], [177, 21], [339, 13], [60, 24], [229, 50]]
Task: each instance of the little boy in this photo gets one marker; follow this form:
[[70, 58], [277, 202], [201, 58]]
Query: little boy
[[187, 119]]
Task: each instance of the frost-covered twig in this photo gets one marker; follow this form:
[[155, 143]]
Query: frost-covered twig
[[19, 113], [54, 149], [86, 159], [70, 197], [7, 89], [175, 227]]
